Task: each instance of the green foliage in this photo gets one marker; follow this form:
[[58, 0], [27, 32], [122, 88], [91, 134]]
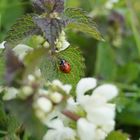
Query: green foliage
[[50, 67], [130, 114], [119, 64], [33, 59], [25, 114], [22, 29], [105, 63], [78, 20], [8, 14], [8, 125], [117, 135]]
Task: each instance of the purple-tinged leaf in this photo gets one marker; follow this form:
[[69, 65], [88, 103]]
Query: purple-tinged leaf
[[50, 27], [13, 66], [49, 6]]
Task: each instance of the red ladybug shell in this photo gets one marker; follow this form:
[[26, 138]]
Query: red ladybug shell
[[65, 66]]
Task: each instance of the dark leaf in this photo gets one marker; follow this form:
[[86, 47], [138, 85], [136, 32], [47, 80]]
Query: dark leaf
[[49, 6], [14, 66], [51, 28]]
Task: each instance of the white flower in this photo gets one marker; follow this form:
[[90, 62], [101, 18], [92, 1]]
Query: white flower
[[56, 97], [99, 112], [58, 131], [21, 50], [110, 3], [10, 93], [61, 42], [86, 130], [42, 107], [43, 104], [67, 88], [25, 92], [2, 45]]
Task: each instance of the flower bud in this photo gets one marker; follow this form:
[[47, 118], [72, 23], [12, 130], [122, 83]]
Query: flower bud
[[43, 104], [56, 97]]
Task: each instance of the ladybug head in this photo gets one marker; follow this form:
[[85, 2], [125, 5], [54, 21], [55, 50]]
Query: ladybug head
[[62, 61]]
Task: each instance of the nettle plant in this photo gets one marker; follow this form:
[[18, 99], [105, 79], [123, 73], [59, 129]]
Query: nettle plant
[[42, 96]]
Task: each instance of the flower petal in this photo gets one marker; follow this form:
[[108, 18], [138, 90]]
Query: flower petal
[[59, 131], [86, 130], [10, 93], [44, 104], [108, 127], [2, 45], [21, 50], [67, 88], [56, 124], [85, 85], [108, 91], [101, 115], [100, 134]]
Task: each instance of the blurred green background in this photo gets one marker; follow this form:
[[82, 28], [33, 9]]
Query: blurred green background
[[117, 60]]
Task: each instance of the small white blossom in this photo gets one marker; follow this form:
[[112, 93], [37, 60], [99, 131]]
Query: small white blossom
[[43, 104], [56, 97], [43, 92], [25, 92], [61, 42], [110, 3], [21, 50], [40, 39], [67, 88], [10, 93], [2, 45], [31, 78], [46, 44], [58, 131]]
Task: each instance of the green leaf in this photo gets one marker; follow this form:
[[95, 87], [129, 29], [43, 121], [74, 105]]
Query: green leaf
[[13, 126], [130, 114], [105, 63], [8, 14], [50, 66], [3, 117], [33, 59], [24, 113], [8, 124], [117, 135], [23, 28], [124, 72], [77, 19]]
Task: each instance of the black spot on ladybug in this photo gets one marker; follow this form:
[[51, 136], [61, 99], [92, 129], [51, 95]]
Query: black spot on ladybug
[[64, 66]]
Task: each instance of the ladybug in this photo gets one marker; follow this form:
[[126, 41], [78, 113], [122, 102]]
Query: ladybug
[[64, 66]]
